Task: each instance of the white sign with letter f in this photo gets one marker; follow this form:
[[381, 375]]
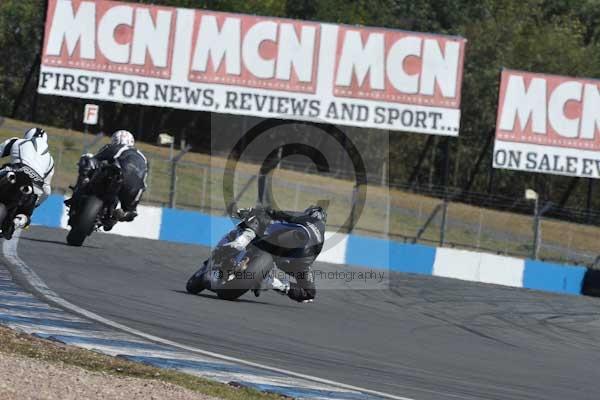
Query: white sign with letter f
[[90, 114]]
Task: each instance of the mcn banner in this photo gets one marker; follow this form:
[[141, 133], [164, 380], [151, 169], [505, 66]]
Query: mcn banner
[[548, 124], [241, 64]]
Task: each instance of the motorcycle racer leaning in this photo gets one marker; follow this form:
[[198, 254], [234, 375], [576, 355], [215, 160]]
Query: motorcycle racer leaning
[[134, 166], [32, 152], [295, 262]]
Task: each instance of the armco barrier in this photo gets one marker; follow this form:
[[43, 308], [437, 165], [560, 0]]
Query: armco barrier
[[192, 227], [197, 228], [553, 277]]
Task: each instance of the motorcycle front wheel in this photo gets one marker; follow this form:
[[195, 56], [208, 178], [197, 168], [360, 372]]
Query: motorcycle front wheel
[[196, 284], [3, 214]]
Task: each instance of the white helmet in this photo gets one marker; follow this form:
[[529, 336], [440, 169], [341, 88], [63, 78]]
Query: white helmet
[[123, 137], [37, 134]]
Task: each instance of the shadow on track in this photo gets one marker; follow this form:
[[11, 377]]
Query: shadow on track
[[87, 246], [214, 297]]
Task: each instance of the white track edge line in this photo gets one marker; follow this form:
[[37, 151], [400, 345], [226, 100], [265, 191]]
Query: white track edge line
[[9, 250]]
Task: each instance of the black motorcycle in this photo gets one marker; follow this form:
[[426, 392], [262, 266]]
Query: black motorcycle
[[230, 273], [16, 193], [94, 203]]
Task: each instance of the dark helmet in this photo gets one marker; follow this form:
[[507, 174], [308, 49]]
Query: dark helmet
[[317, 213]]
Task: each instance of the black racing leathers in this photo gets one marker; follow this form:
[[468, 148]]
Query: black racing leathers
[[297, 262], [134, 167]]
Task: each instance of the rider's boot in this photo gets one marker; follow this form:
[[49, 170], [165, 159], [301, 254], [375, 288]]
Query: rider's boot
[[125, 216], [280, 287], [110, 220], [272, 282]]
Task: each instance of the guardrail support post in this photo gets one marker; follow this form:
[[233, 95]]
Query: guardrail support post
[[444, 222], [537, 228], [536, 231], [446, 179], [353, 208], [173, 183], [430, 219]]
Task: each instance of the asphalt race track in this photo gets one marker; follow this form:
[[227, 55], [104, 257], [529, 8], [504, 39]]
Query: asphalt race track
[[424, 338]]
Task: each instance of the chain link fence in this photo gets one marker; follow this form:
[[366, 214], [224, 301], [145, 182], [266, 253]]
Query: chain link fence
[[391, 211]]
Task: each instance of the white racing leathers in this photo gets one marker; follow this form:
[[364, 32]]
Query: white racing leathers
[[33, 153]]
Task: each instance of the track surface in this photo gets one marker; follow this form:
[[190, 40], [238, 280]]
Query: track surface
[[424, 338]]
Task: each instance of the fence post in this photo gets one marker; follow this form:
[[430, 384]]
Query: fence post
[[444, 222], [204, 190], [240, 194], [353, 209], [388, 206], [57, 163], [149, 182], [86, 132], [479, 230], [536, 230], [446, 179], [388, 215], [94, 140], [173, 186], [429, 220], [570, 242]]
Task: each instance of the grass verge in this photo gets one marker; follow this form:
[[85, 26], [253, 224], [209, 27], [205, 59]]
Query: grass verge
[[15, 343], [200, 186]]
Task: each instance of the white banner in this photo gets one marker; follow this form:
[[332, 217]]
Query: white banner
[[548, 124], [547, 160], [240, 64]]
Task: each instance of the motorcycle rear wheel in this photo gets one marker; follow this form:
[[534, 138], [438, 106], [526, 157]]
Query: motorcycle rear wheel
[[85, 221]]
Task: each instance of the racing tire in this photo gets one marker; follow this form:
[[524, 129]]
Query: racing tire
[[259, 266], [85, 221], [3, 214], [196, 284]]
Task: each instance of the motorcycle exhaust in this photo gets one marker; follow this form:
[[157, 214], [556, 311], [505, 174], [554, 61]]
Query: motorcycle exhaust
[[11, 177], [26, 189]]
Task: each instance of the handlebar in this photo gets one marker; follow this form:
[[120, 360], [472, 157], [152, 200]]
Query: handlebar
[[243, 213]]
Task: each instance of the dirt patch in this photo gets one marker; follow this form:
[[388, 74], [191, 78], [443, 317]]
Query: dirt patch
[[26, 378], [32, 368]]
